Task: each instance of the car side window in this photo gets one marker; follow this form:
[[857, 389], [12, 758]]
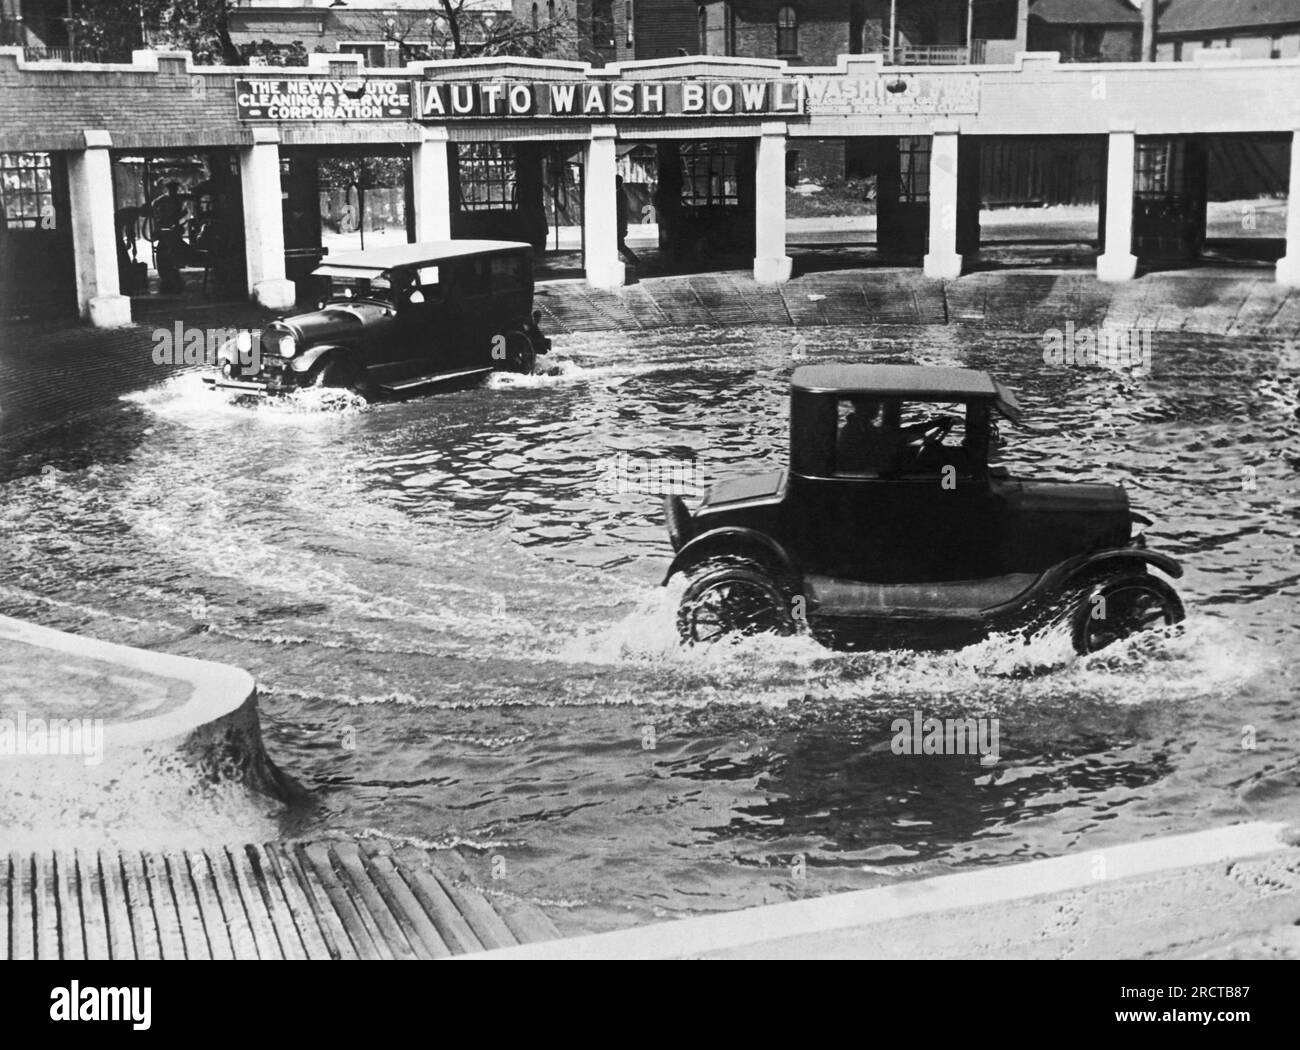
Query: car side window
[[936, 436], [867, 442], [474, 276], [507, 274], [429, 281]]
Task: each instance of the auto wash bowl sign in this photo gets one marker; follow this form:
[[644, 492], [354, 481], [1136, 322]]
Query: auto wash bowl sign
[[444, 100]]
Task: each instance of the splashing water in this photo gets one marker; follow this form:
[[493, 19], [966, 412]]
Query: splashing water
[[460, 637]]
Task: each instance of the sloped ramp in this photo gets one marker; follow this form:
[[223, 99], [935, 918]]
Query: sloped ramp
[[294, 900]]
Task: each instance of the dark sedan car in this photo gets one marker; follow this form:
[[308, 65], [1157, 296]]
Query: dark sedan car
[[399, 319]]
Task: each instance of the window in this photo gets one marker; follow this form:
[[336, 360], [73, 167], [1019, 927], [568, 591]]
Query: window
[[787, 32], [914, 169], [474, 276], [728, 29], [507, 273], [628, 20], [1178, 50], [1092, 39], [792, 168], [550, 10], [602, 23], [486, 176], [536, 18], [1275, 47], [704, 30], [25, 190], [709, 175], [883, 437], [372, 54]]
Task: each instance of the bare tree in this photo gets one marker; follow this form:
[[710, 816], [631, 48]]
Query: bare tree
[[458, 30]]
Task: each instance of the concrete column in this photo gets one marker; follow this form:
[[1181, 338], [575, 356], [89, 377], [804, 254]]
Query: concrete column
[[771, 264], [432, 179], [259, 173], [1288, 267], [943, 260], [94, 244], [1118, 263], [600, 210]]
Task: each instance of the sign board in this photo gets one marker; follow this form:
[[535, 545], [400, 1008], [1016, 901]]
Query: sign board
[[313, 99], [891, 94], [450, 100]]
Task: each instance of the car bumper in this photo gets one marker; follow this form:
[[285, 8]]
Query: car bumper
[[250, 386]]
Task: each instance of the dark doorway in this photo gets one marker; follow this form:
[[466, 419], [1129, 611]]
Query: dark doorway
[[179, 224], [37, 268], [342, 199]]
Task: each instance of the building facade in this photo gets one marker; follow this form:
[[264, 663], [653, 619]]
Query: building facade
[[1253, 28], [472, 140], [1087, 30]]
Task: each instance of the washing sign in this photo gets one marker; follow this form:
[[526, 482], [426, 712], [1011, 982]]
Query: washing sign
[[311, 99]]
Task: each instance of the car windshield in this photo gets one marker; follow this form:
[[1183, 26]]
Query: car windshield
[[377, 286]]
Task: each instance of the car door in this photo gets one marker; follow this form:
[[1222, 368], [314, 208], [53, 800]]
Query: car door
[[881, 517], [479, 319]]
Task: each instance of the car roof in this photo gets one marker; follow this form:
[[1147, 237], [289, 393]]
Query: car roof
[[424, 253], [922, 382]]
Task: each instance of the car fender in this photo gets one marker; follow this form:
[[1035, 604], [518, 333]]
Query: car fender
[[730, 540], [304, 361], [1087, 566]]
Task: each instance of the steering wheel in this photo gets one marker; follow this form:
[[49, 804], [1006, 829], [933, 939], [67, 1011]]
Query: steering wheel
[[932, 432]]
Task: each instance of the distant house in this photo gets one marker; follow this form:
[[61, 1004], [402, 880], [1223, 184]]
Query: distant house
[[1087, 30], [1254, 28]]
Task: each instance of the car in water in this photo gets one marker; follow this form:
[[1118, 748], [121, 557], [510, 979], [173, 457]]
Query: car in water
[[398, 320], [891, 529]]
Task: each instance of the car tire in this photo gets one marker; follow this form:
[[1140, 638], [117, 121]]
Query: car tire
[[732, 596], [341, 373], [521, 355], [1119, 608]]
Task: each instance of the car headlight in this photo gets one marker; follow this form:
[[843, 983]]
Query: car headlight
[[287, 346]]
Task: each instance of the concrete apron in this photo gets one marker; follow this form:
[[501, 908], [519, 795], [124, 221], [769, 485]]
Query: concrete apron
[[1227, 892], [105, 742]]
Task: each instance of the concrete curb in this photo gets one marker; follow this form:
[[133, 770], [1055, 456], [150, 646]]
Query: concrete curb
[[1007, 911], [207, 712]]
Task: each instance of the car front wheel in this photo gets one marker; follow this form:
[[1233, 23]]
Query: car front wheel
[[341, 373], [1119, 609], [732, 597]]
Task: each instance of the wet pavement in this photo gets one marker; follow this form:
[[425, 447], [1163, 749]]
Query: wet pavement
[[460, 638]]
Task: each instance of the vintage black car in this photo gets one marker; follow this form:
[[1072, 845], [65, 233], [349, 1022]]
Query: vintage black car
[[398, 319], [891, 530]]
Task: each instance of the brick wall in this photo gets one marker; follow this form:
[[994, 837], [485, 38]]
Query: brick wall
[[823, 30]]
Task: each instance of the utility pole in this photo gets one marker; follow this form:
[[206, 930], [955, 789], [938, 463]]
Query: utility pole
[[893, 28]]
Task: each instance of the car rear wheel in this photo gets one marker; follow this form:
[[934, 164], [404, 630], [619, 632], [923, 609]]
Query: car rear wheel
[[521, 355], [1119, 609], [732, 597]]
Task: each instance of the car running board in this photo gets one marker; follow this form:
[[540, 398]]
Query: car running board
[[430, 380], [958, 600]]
